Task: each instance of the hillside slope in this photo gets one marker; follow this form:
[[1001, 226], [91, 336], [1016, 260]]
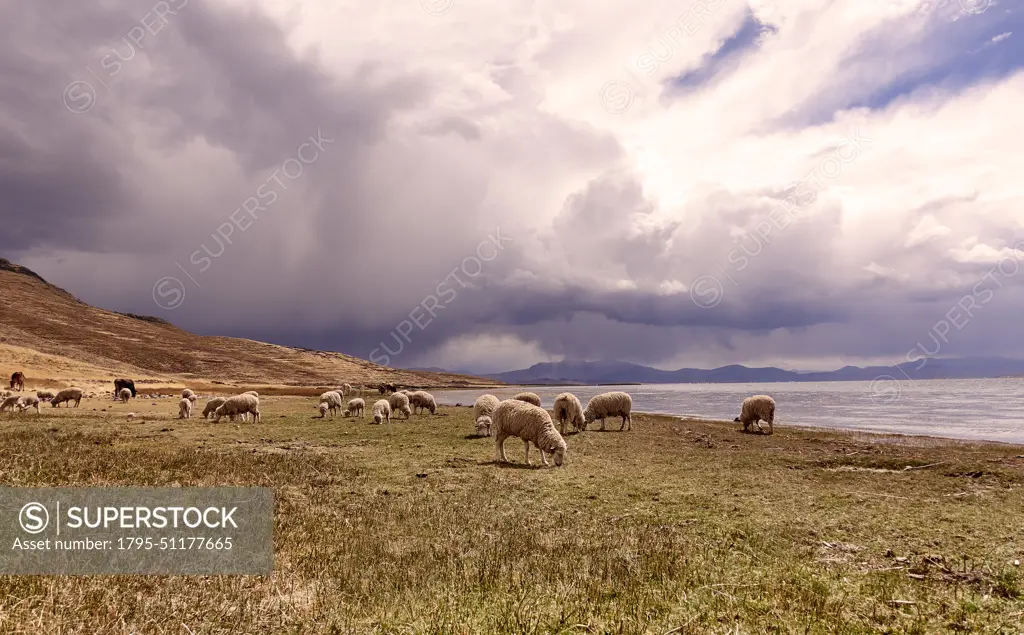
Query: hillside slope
[[41, 324]]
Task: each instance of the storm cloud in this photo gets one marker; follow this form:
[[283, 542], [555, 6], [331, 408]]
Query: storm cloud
[[489, 186]]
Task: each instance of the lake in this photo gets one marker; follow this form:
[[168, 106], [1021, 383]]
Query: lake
[[975, 409]]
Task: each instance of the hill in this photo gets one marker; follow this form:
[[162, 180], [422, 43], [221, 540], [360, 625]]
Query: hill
[[48, 333]]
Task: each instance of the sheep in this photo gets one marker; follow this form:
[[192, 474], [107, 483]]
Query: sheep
[[530, 423], [185, 408], [187, 393], [45, 395], [356, 407], [67, 396], [382, 411], [131, 416], [399, 402], [237, 405], [123, 383], [333, 400], [124, 395], [10, 402], [323, 408], [484, 407], [422, 399], [17, 381], [212, 405], [609, 404], [529, 397], [568, 409], [245, 415], [346, 390], [755, 410], [28, 401]]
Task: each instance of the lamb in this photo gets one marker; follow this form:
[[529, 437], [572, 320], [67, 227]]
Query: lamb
[[10, 402], [323, 409], [569, 410], [755, 410], [68, 395], [333, 400], [239, 404], [609, 404], [212, 405], [484, 408], [185, 408], [355, 407], [45, 395], [124, 395], [514, 417], [28, 401], [382, 411], [529, 397], [346, 390], [422, 399], [399, 402]]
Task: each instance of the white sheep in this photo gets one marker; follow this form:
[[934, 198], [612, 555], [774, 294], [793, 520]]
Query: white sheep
[[124, 395], [528, 397], [530, 423], [356, 407], [10, 402], [71, 394], [755, 410], [245, 415], [323, 408], [45, 395], [131, 416], [212, 405], [609, 404], [239, 404], [346, 390], [382, 411], [28, 401], [399, 402], [421, 400], [568, 409], [187, 393], [484, 407], [333, 399], [185, 408]]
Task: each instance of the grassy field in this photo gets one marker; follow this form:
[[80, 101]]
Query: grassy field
[[678, 526]]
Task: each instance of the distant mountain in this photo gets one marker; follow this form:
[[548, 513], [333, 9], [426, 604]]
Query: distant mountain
[[615, 372]]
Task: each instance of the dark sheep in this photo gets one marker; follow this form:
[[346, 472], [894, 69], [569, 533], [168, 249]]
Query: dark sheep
[[18, 381], [124, 383]]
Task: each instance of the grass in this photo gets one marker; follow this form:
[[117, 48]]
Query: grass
[[678, 526]]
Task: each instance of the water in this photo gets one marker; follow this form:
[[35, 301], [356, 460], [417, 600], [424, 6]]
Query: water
[[972, 409]]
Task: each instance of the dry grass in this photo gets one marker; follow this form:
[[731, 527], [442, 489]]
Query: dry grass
[[678, 526]]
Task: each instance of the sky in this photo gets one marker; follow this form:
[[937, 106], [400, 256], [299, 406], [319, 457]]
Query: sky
[[488, 185]]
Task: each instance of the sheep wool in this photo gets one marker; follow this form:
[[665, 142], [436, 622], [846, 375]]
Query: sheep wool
[[382, 411], [755, 410], [239, 404], [422, 400], [185, 408], [124, 395], [323, 409], [483, 408], [483, 426], [212, 406], [399, 402], [529, 397], [29, 401], [356, 407], [185, 394], [530, 423], [609, 404], [45, 395], [568, 409], [333, 400], [67, 396], [9, 403]]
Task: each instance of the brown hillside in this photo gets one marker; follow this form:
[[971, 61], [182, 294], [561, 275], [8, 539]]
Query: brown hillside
[[48, 333]]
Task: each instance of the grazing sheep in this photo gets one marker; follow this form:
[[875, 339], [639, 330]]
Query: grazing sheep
[[67, 396], [568, 409], [124, 395], [212, 405], [609, 404], [529, 397], [239, 404], [323, 409], [356, 407], [185, 408], [484, 407], [18, 381], [28, 401], [131, 416], [346, 390], [399, 402], [187, 393], [382, 411], [530, 423], [45, 395], [422, 399], [333, 399], [10, 402], [483, 426], [755, 410], [123, 383]]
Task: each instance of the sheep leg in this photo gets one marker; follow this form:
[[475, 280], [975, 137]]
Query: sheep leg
[[543, 459], [623, 424], [499, 449], [526, 450], [602, 425]]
